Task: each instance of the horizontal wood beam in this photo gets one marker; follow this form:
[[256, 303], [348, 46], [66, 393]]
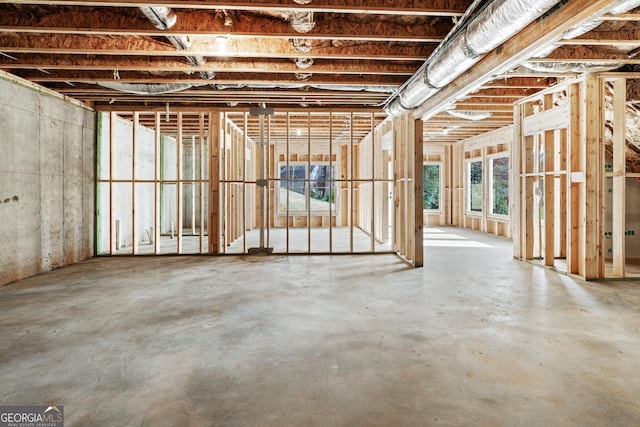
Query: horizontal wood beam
[[71, 44], [518, 82], [58, 76], [123, 107], [577, 54], [400, 7], [204, 23], [238, 65], [622, 17]]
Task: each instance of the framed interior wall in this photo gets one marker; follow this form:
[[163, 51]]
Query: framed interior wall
[[576, 184], [481, 182], [152, 183], [185, 182]]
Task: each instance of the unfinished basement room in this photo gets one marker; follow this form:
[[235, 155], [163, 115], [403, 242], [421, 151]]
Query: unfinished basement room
[[320, 213]]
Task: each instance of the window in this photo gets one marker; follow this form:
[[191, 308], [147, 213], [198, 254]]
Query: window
[[500, 186], [431, 191], [475, 186], [318, 183]]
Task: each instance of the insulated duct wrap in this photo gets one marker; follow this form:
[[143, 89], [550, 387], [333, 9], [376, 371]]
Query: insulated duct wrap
[[494, 25], [470, 115], [395, 108], [623, 6], [616, 8], [304, 62], [449, 62], [563, 67], [147, 88], [499, 21], [354, 88], [180, 42], [162, 17], [416, 91], [579, 30], [302, 22], [302, 45]]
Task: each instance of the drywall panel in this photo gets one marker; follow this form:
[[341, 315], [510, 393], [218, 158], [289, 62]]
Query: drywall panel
[[46, 180]]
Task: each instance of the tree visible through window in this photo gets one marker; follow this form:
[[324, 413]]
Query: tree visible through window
[[431, 181], [475, 186], [500, 185], [296, 180]]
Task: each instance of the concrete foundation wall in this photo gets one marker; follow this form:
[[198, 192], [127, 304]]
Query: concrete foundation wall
[[46, 181]]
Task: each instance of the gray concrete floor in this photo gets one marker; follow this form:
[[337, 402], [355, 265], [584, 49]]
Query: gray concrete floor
[[473, 338]]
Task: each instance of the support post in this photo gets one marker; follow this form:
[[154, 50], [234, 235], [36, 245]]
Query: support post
[[261, 181], [619, 177], [418, 188]]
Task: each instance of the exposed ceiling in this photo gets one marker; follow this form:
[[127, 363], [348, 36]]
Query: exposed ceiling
[[295, 55]]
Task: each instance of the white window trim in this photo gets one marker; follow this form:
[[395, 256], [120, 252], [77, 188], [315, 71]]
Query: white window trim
[[490, 158], [440, 184], [467, 182]]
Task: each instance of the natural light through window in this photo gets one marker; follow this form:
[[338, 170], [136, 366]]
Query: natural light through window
[[436, 237]]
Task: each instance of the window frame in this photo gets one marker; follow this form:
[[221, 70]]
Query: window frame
[[490, 159], [440, 186], [307, 185], [467, 172]]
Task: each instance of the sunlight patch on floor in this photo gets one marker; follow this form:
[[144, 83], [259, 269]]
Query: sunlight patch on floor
[[434, 237]]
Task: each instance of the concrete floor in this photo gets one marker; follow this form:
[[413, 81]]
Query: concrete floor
[[474, 338], [276, 238]]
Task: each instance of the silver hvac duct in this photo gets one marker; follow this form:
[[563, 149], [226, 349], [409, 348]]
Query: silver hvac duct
[[491, 27], [304, 62], [351, 88], [148, 88], [494, 25], [623, 6], [617, 7], [469, 115], [303, 76], [565, 67], [163, 18], [302, 22]]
